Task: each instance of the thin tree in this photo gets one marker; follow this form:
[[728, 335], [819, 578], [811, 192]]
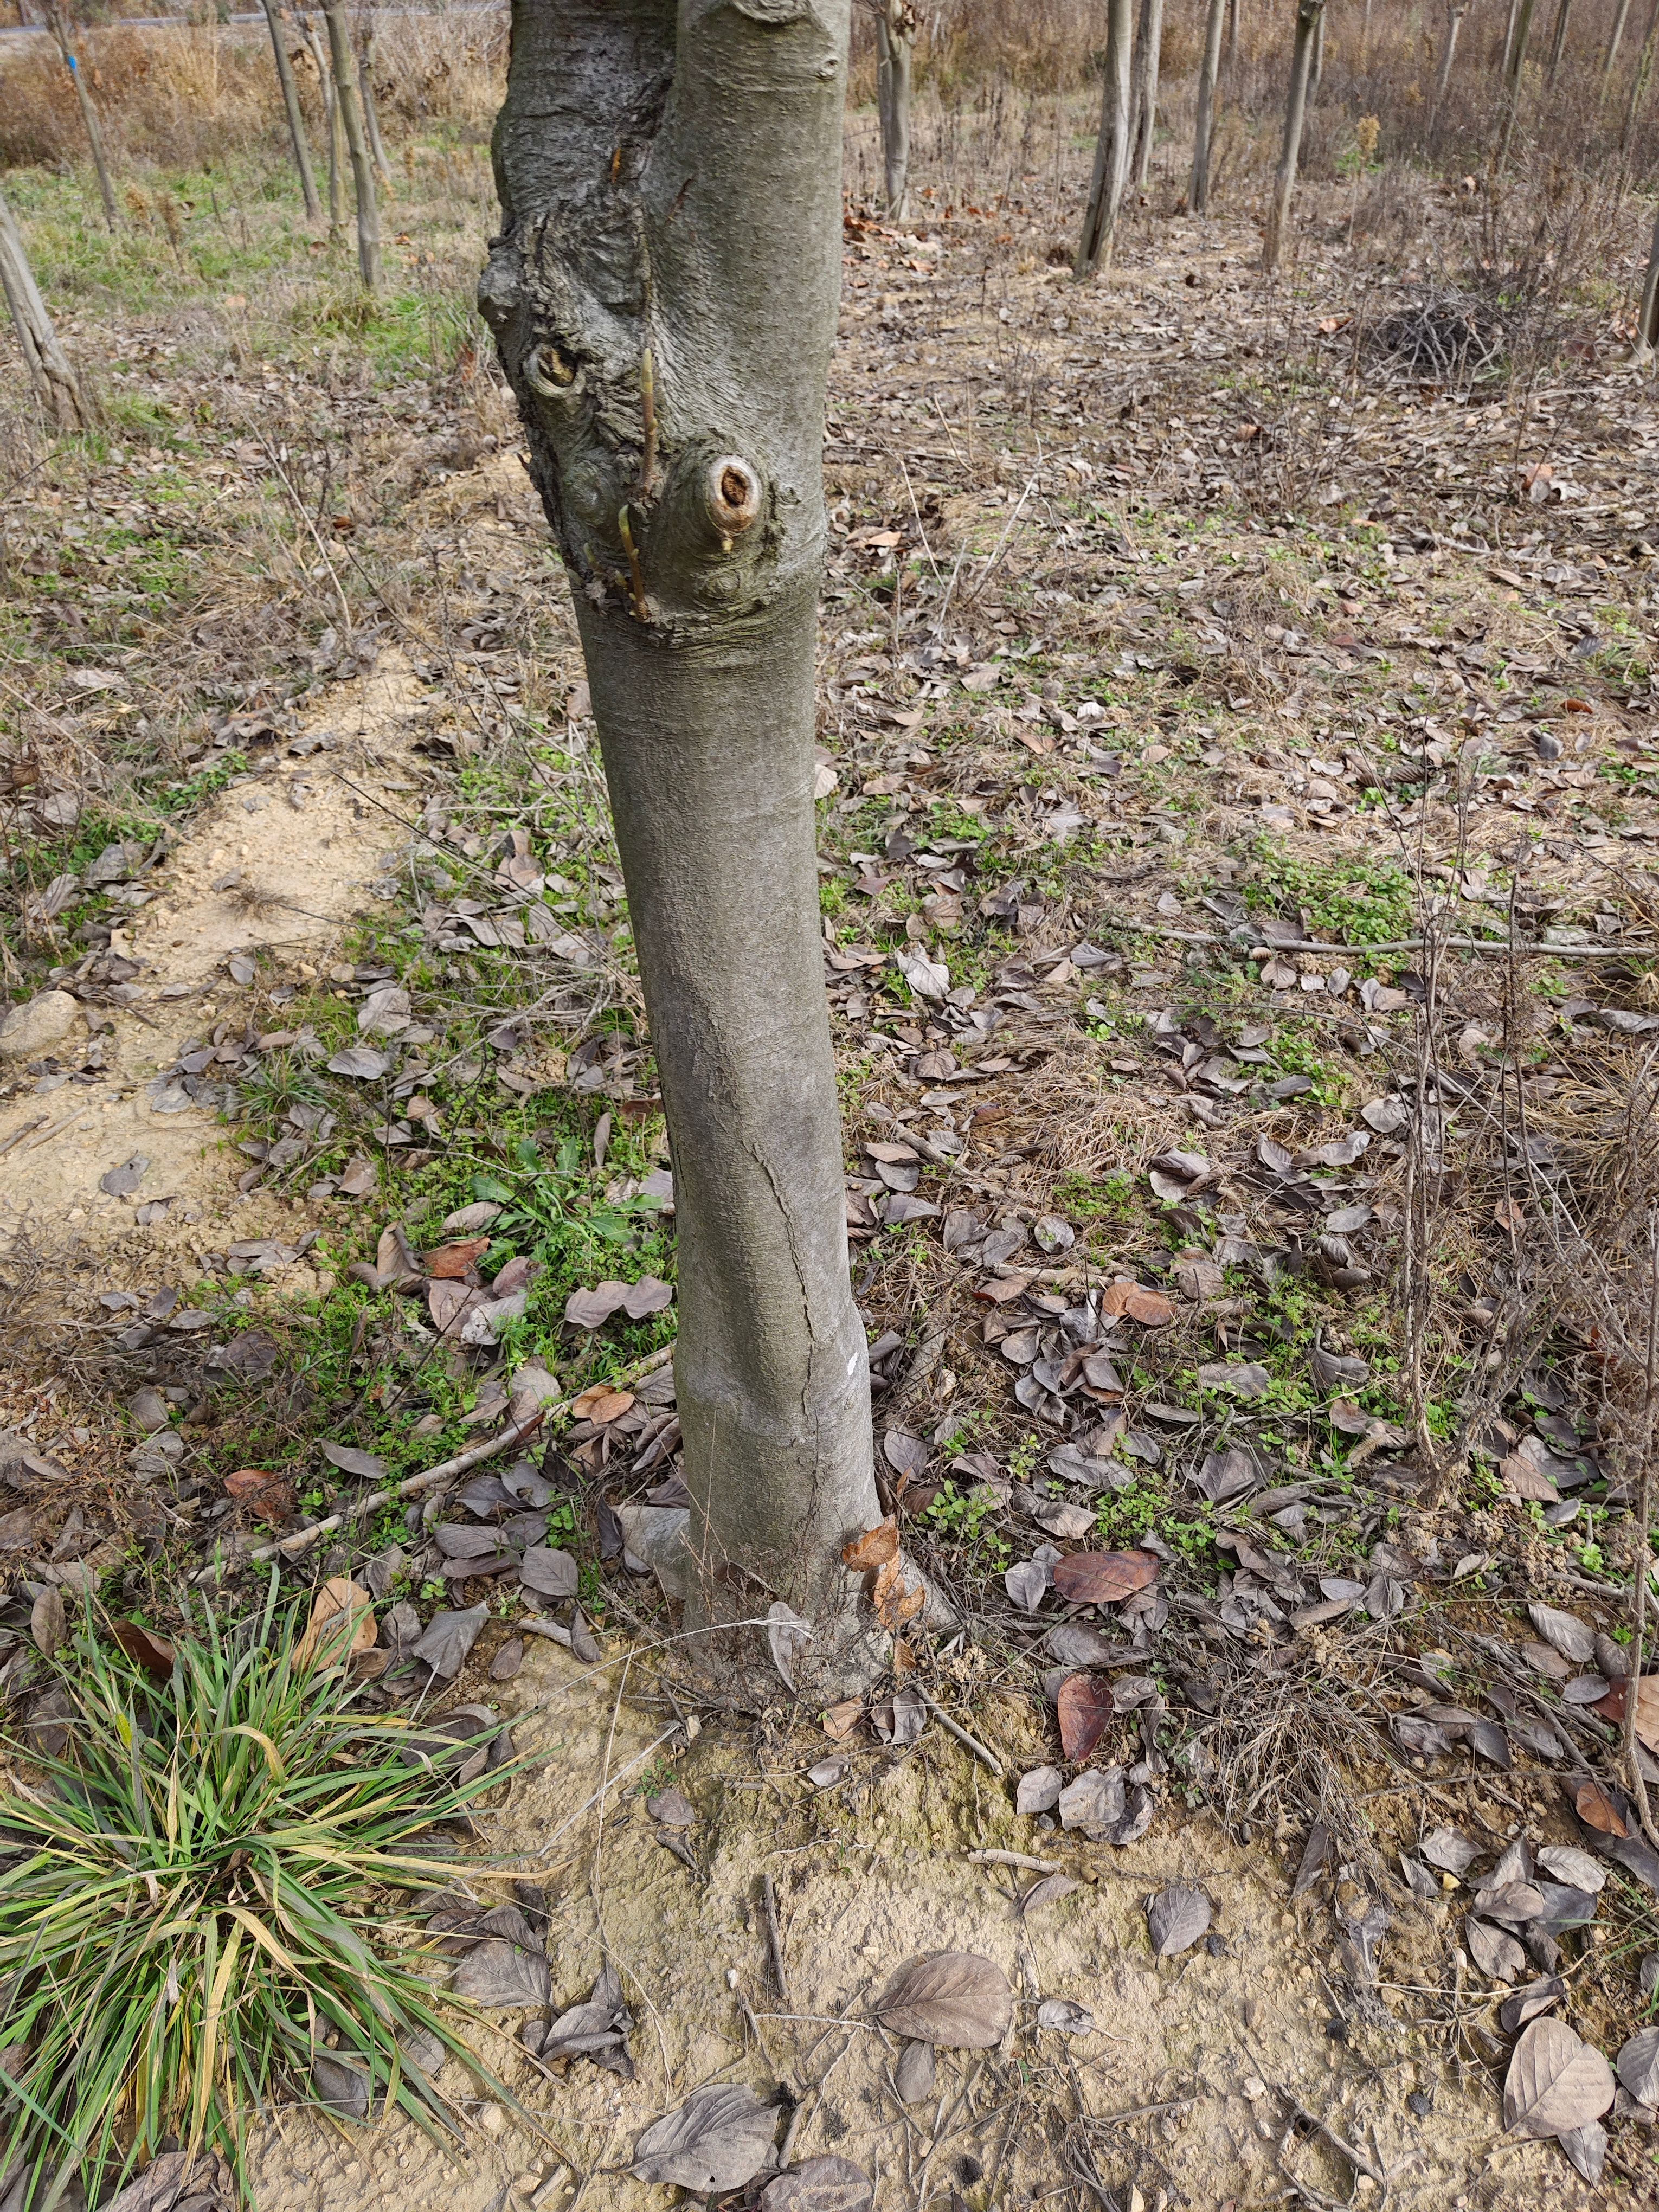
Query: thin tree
[[1316, 67], [1514, 64], [1647, 315], [335, 137], [1454, 15], [1615, 39], [1149, 41], [1638, 83], [371, 109], [44, 356], [296, 127], [61, 29], [351, 118], [1198, 191], [1111, 169], [1309, 14], [897, 25], [1558, 41], [663, 293]]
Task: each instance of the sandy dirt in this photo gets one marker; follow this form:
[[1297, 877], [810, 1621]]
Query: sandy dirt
[[1190, 2073]]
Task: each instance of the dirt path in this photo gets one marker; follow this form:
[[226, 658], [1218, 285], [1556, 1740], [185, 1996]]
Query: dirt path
[[282, 863]]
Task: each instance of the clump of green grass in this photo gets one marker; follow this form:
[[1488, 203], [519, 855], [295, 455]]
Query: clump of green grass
[[198, 1905]]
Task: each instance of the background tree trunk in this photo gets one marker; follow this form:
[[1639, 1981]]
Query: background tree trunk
[[895, 43], [1149, 41], [1647, 316], [1198, 191], [43, 351], [1316, 66], [351, 117], [63, 30], [336, 140], [664, 294], [1307, 16], [371, 112], [1638, 83], [1448, 55], [1112, 146], [1559, 41], [1514, 63], [1615, 38], [296, 128]]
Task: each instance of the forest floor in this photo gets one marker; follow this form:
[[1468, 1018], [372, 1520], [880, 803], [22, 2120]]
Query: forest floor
[[1238, 793]]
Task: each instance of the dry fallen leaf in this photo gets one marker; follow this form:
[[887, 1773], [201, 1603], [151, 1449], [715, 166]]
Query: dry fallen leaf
[[265, 1494], [1597, 1810], [826, 2184], [874, 1549], [956, 1999], [1085, 1708], [1134, 1302], [342, 1624], [1612, 1707], [602, 1405], [1555, 2081], [1177, 1916], [1104, 1577], [450, 1263], [894, 1601], [144, 1647], [840, 1720], [47, 1624], [718, 2138]]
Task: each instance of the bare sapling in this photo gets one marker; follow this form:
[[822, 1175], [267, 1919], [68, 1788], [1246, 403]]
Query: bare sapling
[[296, 126], [1454, 15], [331, 126], [896, 24], [1615, 39], [48, 365], [371, 110], [1198, 190], [1514, 64], [664, 294], [1149, 40], [1111, 169], [351, 121], [1309, 15], [1558, 41], [61, 29], [1639, 79], [1647, 314]]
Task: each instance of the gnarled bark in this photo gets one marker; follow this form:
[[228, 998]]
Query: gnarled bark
[[296, 126], [1209, 70], [351, 120], [47, 363], [1309, 15], [1111, 169], [664, 294], [896, 23]]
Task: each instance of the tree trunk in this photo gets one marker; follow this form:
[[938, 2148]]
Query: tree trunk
[[1316, 67], [296, 128], [1559, 40], [47, 363], [1508, 37], [1647, 318], [1615, 38], [352, 116], [336, 140], [1307, 16], [664, 294], [371, 112], [1448, 53], [1514, 64], [1198, 191], [1638, 83], [1112, 146], [62, 31], [895, 42], [1149, 41]]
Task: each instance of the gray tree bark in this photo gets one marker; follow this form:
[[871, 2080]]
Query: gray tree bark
[[1638, 83], [47, 363], [63, 32], [1316, 66], [1615, 38], [351, 118], [1455, 15], [1149, 42], [663, 295], [371, 112], [1307, 16], [296, 127], [336, 137], [1111, 169], [896, 23], [1514, 63], [1647, 317], [1559, 40], [1209, 69]]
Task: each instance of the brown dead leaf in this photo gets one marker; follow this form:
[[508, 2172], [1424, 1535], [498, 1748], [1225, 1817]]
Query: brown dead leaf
[[1612, 1708], [874, 1549], [602, 1405], [1104, 1577], [143, 1646], [450, 1263], [262, 1492], [840, 1720], [1597, 1810], [895, 1604], [1135, 1302], [1085, 1708], [342, 1624]]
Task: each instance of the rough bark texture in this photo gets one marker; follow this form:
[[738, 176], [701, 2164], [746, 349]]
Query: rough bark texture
[[895, 43], [1149, 42], [1448, 55], [63, 32], [1112, 147], [663, 295], [351, 118], [296, 128], [42, 349], [1209, 70], [1307, 16]]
